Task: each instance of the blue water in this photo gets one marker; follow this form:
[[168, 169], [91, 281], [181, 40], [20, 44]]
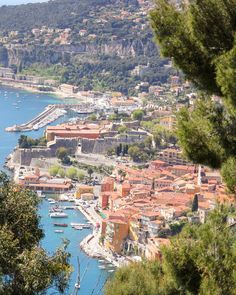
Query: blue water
[[30, 104]]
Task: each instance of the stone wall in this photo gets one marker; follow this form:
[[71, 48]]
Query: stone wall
[[101, 145], [24, 156]]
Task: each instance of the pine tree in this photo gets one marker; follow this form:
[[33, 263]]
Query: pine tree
[[200, 39]]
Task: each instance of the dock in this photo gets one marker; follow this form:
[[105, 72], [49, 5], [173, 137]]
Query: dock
[[50, 114]]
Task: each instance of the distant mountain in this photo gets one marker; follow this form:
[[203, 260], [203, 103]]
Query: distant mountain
[[55, 13], [95, 44]]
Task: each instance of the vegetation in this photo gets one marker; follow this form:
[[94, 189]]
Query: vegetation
[[71, 173], [26, 142], [63, 154], [138, 115], [52, 72], [200, 260], [54, 170], [201, 40], [25, 268], [195, 203]]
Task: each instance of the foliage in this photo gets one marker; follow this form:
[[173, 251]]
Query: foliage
[[25, 268], [139, 279], [54, 170], [71, 173], [63, 154], [81, 175], [122, 129], [228, 172], [200, 260], [62, 173], [195, 203], [138, 115], [201, 40], [137, 154], [51, 72], [26, 142], [90, 171]]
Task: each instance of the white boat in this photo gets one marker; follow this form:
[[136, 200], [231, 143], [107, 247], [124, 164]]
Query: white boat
[[58, 215], [52, 202], [102, 266], [77, 227], [49, 199], [75, 224], [59, 231], [111, 270], [40, 194]]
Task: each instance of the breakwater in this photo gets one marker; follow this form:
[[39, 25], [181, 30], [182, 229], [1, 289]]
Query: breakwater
[[50, 114]]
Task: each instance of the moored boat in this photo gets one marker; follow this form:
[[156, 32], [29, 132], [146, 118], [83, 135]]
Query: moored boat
[[59, 231], [61, 224], [58, 215]]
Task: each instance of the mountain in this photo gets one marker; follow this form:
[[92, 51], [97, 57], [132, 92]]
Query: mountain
[[98, 43]]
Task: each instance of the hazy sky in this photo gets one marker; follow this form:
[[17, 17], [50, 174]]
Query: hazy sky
[[14, 2]]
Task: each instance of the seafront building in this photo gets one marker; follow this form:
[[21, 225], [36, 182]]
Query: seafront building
[[141, 209]]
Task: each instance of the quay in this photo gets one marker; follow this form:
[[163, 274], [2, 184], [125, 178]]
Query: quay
[[49, 115]]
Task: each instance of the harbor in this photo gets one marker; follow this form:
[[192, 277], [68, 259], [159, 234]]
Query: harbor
[[50, 114], [31, 104]]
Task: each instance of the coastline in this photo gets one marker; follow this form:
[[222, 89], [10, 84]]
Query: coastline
[[58, 93], [91, 246]]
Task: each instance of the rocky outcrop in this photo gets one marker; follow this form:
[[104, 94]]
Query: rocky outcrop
[[22, 55]]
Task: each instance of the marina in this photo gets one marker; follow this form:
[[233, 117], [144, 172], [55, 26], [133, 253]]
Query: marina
[[50, 114], [31, 105]]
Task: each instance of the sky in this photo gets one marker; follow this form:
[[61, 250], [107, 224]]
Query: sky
[[15, 2]]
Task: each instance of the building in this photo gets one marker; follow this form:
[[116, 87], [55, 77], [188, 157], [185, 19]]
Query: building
[[83, 189], [89, 131], [172, 157], [117, 231]]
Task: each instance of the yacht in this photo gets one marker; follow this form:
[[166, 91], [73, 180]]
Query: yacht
[[58, 215], [59, 231]]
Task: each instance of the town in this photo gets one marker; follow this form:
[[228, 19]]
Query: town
[[123, 168]]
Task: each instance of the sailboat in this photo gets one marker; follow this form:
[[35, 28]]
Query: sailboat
[[77, 284]]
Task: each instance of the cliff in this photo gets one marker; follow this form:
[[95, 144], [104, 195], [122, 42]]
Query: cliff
[[26, 55]]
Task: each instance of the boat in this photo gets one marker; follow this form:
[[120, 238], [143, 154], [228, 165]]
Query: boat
[[75, 224], [78, 227], [40, 194], [59, 231], [111, 270], [50, 199], [52, 202], [102, 266], [61, 224], [55, 210], [87, 226], [58, 215]]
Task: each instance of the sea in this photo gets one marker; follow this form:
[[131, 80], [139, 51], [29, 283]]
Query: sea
[[19, 106]]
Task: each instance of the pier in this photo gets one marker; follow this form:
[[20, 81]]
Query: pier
[[49, 115]]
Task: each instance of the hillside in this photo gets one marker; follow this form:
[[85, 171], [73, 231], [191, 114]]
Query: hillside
[[99, 42]]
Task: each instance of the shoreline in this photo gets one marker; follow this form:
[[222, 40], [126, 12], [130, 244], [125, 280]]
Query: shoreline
[[57, 93], [91, 246]]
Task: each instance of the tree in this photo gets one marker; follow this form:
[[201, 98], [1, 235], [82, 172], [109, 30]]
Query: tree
[[61, 153], [25, 267], [228, 172], [71, 173], [200, 39], [90, 172], [80, 175], [62, 172], [122, 129], [195, 203], [138, 115], [184, 269], [53, 171]]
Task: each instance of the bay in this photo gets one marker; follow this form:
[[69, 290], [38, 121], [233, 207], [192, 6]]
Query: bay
[[16, 107]]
